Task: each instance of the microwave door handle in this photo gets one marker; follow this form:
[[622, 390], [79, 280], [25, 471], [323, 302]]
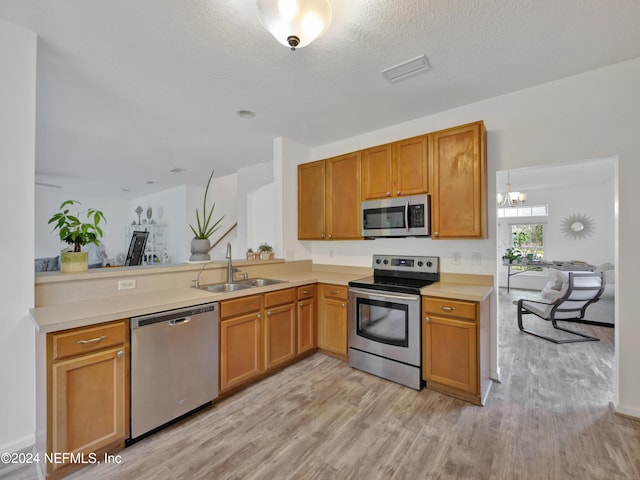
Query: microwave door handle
[[406, 216]]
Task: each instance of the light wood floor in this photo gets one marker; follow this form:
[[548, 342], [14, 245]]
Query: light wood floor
[[320, 419]]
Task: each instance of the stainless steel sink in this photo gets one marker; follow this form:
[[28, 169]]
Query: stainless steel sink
[[225, 287], [243, 285], [262, 282]]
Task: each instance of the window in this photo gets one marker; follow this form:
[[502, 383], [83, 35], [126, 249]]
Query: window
[[529, 238], [529, 211]]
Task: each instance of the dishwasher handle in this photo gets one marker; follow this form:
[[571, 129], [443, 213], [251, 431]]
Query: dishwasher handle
[[179, 321]]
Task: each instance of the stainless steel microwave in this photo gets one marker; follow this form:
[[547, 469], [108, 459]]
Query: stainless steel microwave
[[396, 217]]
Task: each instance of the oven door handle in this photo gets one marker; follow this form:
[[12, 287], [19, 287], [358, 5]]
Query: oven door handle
[[385, 295]]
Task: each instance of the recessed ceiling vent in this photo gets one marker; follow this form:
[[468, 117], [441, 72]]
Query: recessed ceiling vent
[[406, 69]]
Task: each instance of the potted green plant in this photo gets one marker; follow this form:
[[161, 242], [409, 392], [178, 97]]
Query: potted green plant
[[266, 251], [75, 232], [251, 254], [512, 255], [204, 228]]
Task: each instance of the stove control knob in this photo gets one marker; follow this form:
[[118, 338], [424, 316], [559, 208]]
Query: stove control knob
[[420, 263], [386, 261], [377, 260], [429, 264]]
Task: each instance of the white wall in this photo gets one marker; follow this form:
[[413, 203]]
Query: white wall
[[250, 180], [595, 114], [17, 124]]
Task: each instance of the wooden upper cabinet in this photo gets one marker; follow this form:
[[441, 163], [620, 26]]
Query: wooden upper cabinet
[[411, 166], [311, 200], [396, 169], [459, 182], [342, 207], [377, 172]]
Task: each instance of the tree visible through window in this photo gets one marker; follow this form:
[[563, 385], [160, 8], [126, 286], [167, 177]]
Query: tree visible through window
[[528, 238]]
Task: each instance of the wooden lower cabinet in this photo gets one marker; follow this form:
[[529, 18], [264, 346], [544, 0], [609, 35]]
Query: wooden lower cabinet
[[259, 333], [240, 341], [332, 319], [307, 326], [88, 393], [455, 347]]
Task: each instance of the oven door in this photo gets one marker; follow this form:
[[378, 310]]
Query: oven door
[[385, 324]]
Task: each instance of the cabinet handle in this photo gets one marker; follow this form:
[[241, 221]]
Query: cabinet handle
[[120, 354], [258, 316], [388, 194], [333, 292], [322, 235], [398, 192], [330, 235], [436, 234], [93, 340], [427, 319], [447, 309], [268, 314], [305, 292], [343, 305]]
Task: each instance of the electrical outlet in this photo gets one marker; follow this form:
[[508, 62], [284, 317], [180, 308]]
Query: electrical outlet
[[476, 258], [126, 284], [456, 258]]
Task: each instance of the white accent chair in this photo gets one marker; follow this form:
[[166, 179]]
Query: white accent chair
[[581, 290]]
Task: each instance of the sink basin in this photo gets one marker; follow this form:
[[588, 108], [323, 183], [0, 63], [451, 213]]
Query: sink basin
[[225, 287], [262, 282]]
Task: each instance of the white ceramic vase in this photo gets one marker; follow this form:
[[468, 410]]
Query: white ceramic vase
[[200, 250]]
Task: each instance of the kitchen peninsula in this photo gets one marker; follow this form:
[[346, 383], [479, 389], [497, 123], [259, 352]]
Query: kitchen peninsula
[[307, 303]]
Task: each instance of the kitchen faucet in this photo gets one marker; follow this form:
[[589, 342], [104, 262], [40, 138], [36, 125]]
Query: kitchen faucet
[[229, 265]]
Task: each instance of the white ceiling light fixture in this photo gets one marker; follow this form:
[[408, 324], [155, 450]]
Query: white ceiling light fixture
[[295, 23], [509, 198]]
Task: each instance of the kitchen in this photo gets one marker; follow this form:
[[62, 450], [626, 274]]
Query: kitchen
[[514, 133]]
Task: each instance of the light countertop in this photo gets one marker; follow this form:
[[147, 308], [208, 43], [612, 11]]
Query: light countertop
[[83, 313]]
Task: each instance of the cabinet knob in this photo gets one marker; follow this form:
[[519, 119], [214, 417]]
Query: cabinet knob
[[436, 234], [330, 235], [343, 305], [398, 192], [427, 319], [268, 314], [306, 292], [259, 316], [388, 194], [120, 354], [322, 235]]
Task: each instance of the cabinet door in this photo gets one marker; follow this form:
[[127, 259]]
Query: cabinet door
[[334, 326], [377, 172], [449, 352], [311, 201], [459, 178], [89, 407], [280, 335], [306, 325], [411, 166], [239, 350], [343, 197]]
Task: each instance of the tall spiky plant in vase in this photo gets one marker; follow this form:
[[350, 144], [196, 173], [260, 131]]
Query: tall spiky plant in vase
[[204, 228]]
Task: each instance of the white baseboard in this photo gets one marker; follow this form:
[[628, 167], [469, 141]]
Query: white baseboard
[[626, 411], [14, 447], [20, 444], [496, 375]]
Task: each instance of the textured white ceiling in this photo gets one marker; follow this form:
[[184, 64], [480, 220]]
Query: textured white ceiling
[[130, 89]]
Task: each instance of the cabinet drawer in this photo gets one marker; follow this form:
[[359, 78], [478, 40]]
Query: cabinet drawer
[[334, 291], [449, 308], [240, 306], [89, 339], [279, 297], [306, 291]]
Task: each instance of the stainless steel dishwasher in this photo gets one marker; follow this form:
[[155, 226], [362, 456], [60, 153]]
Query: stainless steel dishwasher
[[174, 366]]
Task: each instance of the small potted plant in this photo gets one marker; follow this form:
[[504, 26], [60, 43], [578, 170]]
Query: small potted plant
[[77, 233], [250, 254], [205, 227], [266, 251]]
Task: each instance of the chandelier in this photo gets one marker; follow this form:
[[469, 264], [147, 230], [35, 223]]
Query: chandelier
[[295, 23], [509, 198]]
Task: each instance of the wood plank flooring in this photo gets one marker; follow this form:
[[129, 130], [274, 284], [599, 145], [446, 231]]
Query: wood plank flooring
[[319, 419]]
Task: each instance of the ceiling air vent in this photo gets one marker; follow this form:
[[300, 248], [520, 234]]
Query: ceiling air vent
[[406, 69]]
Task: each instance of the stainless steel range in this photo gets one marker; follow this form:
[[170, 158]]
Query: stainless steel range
[[384, 317]]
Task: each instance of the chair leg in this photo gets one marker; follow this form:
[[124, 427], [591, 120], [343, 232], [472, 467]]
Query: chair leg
[[583, 337]]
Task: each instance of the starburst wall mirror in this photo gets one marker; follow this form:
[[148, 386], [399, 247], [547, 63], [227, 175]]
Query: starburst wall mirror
[[577, 226]]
